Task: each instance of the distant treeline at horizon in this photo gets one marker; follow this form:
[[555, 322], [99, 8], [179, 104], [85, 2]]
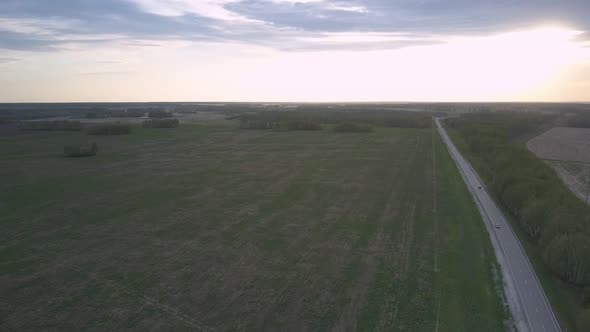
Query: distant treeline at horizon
[[31, 111]]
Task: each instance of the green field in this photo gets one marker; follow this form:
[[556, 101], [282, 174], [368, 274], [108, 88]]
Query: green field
[[208, 227]]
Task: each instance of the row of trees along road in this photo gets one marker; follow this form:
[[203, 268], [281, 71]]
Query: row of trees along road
[[529, 190]]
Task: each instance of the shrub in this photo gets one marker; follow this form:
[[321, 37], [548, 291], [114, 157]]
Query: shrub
[[80, 150], [51, 125], [257, 124], [159, 114], [351, 127], [161, 123], [131, 113], [407, 120], [95, 115], [108, 129], [303, 125]]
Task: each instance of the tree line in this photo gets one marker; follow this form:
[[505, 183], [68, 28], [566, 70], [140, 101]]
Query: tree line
[[51, 125], [313, 120], [529, 190]]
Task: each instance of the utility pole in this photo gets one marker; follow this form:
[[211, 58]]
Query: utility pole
[[587, 182]]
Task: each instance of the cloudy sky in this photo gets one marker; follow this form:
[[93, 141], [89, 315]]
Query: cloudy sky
[[294, 50]]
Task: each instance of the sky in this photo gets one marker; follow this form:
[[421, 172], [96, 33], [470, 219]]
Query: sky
[[294, 50]]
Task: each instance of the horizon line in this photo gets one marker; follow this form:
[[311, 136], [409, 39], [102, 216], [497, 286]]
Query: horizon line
[[296, 102]]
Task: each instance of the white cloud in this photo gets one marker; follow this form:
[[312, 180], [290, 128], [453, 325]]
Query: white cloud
[[33, 26], [293, 2], [327, 5], [347, 8], [362, 37], [214, 9], [8, 60]]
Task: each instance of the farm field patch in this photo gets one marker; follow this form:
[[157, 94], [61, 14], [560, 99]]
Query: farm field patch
[[563, 144], [208, 227], [567, 151]]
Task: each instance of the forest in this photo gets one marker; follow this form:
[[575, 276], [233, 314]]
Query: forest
[[529, 190]]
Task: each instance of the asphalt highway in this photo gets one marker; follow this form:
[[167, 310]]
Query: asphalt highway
[[535, 308]]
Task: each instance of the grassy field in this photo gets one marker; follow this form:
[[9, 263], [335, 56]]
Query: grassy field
[[208, 227]]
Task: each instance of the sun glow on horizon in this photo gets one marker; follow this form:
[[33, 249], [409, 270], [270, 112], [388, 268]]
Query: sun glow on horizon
[[513, 66], [508, 66]]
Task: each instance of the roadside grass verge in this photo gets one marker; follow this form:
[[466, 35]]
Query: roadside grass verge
[[468, 267]]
